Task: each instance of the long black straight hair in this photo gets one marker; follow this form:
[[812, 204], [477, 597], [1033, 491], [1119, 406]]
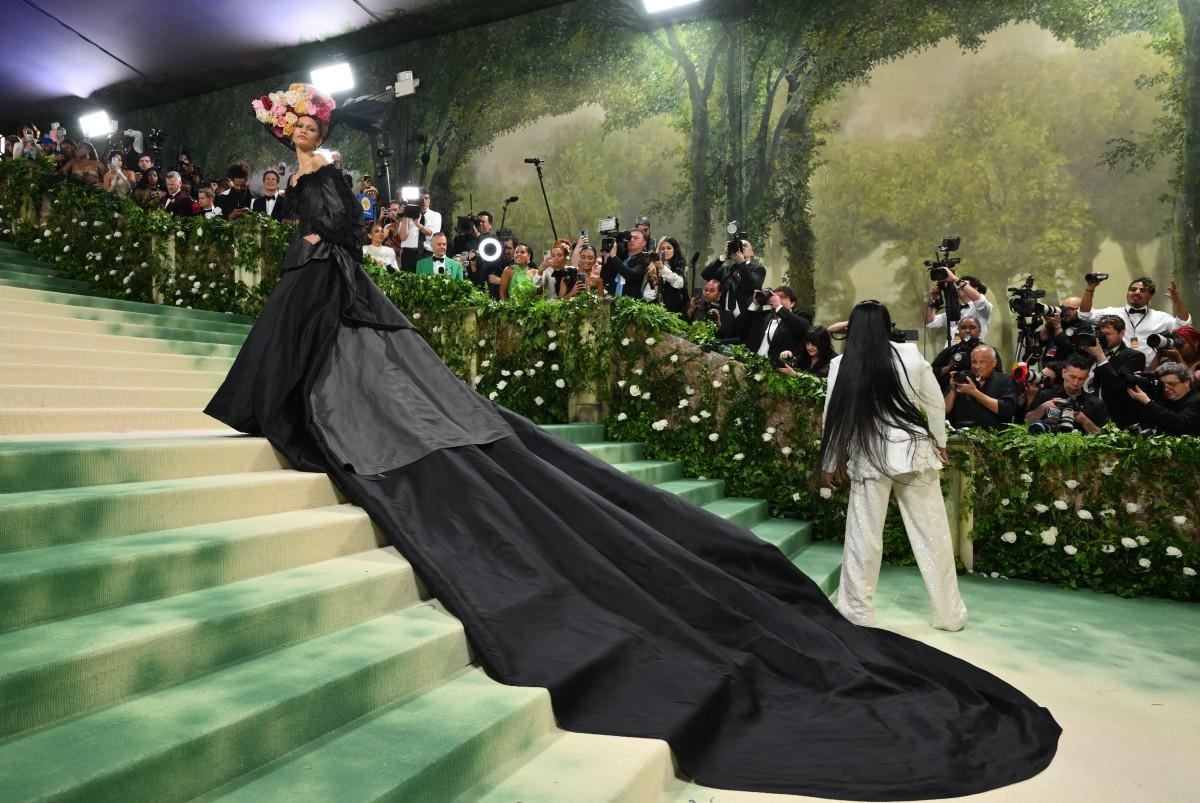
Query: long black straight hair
[[870, 395]]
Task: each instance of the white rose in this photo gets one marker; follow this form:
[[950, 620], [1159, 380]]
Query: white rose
[[482, 343], [66, 249], [714, 437], [1144, 563], [1026, 478], [624, 341], [1009, 537], [785, 451], [1004, 502], [179, 233], [47, 233], [739, 456], [1142, 540], [505, 372], [551, 334], [539, 364], [1060, 504], [634, 390], [659, 425], [1132, 507], [1040, 508], [1049, 536], [1072, 484], [621, 383], [477, 380], [725, 368], [554, 366], [501, 385], [1108, 549], [621, 416], [637, 371], [1179, 521], [690, 391], [674, 358], [1070, 550], [416, 316], [558, 383], [518, 373], [117, 233], [492, 395], [650, 341], [552, 347], [1084, 514], [645, 397], [1188, 571], [1174, 552], [766, 436], [485, 363], [1108, 511], [695, 419], [1106, 470], [683, 403], [716, 383], [796, 496], [1128, 543], [705, 414], [826, 493], [771, 430]]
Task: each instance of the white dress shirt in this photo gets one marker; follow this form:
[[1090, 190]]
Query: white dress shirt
[[980, 310], [1139, 327], [382, 254]]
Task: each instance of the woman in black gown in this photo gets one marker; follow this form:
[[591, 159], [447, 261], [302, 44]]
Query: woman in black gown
[[643, 614]]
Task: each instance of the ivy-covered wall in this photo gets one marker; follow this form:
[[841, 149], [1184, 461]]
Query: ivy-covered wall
[[1113, 512]]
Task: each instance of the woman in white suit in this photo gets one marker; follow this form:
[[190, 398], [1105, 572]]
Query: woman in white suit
[[885, 430]]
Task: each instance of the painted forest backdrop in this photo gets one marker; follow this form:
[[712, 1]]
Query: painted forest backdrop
[[1053, 136]]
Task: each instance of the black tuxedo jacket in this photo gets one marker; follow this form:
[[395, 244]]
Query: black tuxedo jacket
[[278, 214], [1110, 381], [1174, 418], [789, 335], [738, 281]]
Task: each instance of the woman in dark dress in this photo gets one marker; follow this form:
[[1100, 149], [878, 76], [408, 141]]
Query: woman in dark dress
[[641, 613]]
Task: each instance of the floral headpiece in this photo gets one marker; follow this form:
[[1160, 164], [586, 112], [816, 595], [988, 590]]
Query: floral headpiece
[[280, 110]]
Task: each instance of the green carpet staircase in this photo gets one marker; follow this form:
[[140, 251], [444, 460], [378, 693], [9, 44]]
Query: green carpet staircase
[[182, 616]]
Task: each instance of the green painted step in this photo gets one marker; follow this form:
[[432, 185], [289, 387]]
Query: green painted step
[[54, 464], [72, 324], [615, 451], [167, 323], [38, 519], [17, 279], [698, 492], [743, 512], [62, 669], [822, 561], [32, 267], [577, 433], [69, 355], [185, 740], [90, 397], [40, 585], [790, 535], [32, 422], [100, 375], [99, 302], [468, 727], [20, 336], [652, 472]]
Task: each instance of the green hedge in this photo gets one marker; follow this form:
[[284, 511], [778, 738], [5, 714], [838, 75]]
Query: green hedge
[[1112, 512]]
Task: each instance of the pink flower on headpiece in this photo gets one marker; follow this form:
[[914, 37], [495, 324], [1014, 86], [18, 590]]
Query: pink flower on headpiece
[[257, 104], [278, 110]]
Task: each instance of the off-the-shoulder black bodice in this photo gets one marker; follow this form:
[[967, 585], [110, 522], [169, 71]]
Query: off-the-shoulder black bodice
[[326, 207]]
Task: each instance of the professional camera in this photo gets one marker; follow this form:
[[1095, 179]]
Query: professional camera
[[571, 275], [1146, 380], [466, 225], [960, 377], [1058, 419], [1166, 340], [1082, 335], [737, 240], [938, 267], [1095, 278], [898, 335], [1145, 432], [763, 297], [1023, 301], [960, 356]]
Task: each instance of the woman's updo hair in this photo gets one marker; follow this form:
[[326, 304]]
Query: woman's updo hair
[[322, 126]]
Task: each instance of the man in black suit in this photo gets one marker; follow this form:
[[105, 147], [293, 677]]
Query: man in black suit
[[235, 201], [983, 398], [1114, 363], [738, 274], [272, 202], [1178, 411], [178, 202], [770, 325]]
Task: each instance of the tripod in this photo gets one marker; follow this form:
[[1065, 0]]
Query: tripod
[[537, 163]]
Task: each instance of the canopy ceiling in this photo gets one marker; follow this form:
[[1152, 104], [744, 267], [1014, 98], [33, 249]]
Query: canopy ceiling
[[60, 58]]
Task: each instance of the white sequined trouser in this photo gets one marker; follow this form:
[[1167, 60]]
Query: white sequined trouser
[[919, 496]]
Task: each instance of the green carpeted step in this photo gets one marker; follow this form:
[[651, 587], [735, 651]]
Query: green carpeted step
[[790, 535], [61, 669], [31, 266], [467, 726], [64, 463], [98, 302], [68, 397], [20, 336], [42, 421], [744, 512], [34, 281], [183, 741], [175, 322], [91, 375], [615, 451], [162, 332], [651, 471], [68, 354], [577, 433], [698, 492], [821, 561], [581, 768], [38, 519], [39, 585]]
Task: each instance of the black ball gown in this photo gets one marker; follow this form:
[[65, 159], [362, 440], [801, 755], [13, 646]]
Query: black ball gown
[[641, 613]]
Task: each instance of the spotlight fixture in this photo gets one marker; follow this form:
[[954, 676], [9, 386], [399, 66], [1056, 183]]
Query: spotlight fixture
[[405, 84], [97, 124], [334, 78], [659, 6], [489, 249]]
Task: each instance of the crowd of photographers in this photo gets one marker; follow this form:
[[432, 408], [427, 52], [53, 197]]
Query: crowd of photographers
[[1079, 367]]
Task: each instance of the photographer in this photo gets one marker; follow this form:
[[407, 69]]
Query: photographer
[[972, 295], [583, 277], [118, 180], [770, 326], [957, 357], [987, 399], [1049, 377], [416, 235], [738, 274], [706, 306], [1178, 411], [1140, 320], [620, 276], [1055, 334], [1115, 362], [1085, 409]]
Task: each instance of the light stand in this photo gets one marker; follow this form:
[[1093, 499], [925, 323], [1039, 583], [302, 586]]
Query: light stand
[[537, 163], [512, 199]]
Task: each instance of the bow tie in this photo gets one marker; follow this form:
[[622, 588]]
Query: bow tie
[[1136, 311]]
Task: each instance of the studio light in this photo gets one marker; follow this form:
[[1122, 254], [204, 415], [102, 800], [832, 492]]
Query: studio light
[[96, 124], [410, 195], [489, 249], [658, 6], [333, 79]]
